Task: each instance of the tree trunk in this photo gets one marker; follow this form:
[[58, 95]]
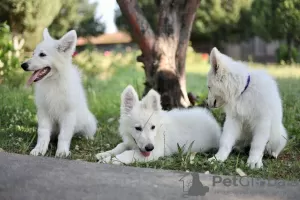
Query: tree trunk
[[164, 53]]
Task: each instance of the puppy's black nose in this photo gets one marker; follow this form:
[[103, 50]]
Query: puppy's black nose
[[25, 66], [149, 147]]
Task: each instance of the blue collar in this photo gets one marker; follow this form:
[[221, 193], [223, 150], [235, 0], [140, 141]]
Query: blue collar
[[248, 81]]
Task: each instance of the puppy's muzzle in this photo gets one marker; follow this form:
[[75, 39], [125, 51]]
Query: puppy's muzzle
[[149, 147], [25, 66]]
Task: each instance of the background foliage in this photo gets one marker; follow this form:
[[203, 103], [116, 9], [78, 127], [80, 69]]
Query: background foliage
[[9, 56], [29, 17], [216, 22]]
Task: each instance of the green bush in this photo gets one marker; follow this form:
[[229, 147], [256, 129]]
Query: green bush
[[103, 64], [282, 54], [194, 57], [10, 51]]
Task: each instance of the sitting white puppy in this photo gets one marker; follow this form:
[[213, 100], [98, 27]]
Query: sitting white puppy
[[253, 108], [59, 95], [148, 132]]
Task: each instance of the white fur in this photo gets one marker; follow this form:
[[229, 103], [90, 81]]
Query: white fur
[[171, 128], [252, 116], [59, 96]]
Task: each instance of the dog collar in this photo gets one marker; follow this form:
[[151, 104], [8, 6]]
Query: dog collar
[[248, 81]]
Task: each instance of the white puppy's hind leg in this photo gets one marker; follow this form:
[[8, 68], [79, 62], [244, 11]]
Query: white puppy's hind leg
[[67, 127], [231, 132], [44, 133], [120, 148], [261, 136]]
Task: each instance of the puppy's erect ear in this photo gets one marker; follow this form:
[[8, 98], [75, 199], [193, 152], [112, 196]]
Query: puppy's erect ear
[[67, 43], [129, 98], [152, 101], [214, 59], [46, 34]]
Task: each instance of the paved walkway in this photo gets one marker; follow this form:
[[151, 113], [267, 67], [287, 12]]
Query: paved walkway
[[37, 178]]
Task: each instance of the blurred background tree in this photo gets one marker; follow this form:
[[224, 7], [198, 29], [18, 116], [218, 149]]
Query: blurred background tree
[[278, 20], [220, 21], [30, 17], [77, 14], [150, 11], [216, 22]]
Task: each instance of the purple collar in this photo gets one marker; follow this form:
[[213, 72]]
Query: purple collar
[[248, 81]]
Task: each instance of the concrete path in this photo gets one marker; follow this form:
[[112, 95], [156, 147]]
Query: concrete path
[[37, 178]]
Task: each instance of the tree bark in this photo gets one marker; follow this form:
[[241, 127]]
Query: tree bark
[[164, 54]]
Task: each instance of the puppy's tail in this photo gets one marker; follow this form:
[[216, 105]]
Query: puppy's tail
[[278, 140], [91, 126]]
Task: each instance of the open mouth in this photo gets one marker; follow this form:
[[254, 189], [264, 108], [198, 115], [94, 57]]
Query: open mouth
[[145, 153], [38, 75]]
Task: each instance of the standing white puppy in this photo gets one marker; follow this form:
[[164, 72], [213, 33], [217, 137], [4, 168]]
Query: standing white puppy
[[59, 95], [253, 108], [148, 132]]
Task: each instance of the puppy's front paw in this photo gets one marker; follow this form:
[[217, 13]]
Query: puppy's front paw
[[38, 152], [110, 160], [115, 161], [62, 153], [254, 162], [40, 149], [275, 155], [218, 157], [103, 159], [101, 156]]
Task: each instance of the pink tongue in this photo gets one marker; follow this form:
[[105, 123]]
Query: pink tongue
[[145, 153], [33, 77]]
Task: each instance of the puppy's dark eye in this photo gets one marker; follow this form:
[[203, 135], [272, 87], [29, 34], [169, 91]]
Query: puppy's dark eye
[[152, 127], [42, 54], [138, 128], [208, 88]]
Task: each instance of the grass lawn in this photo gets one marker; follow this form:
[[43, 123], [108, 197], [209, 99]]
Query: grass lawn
[[106, 77]]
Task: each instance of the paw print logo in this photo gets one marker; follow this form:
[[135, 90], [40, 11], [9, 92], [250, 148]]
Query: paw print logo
[[193, 187]]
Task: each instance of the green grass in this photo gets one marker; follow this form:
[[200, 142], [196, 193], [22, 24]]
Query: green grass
[[104, 80]]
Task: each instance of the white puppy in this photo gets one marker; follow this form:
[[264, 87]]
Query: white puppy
[[148, 132], [59, 95], [253, 108]]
